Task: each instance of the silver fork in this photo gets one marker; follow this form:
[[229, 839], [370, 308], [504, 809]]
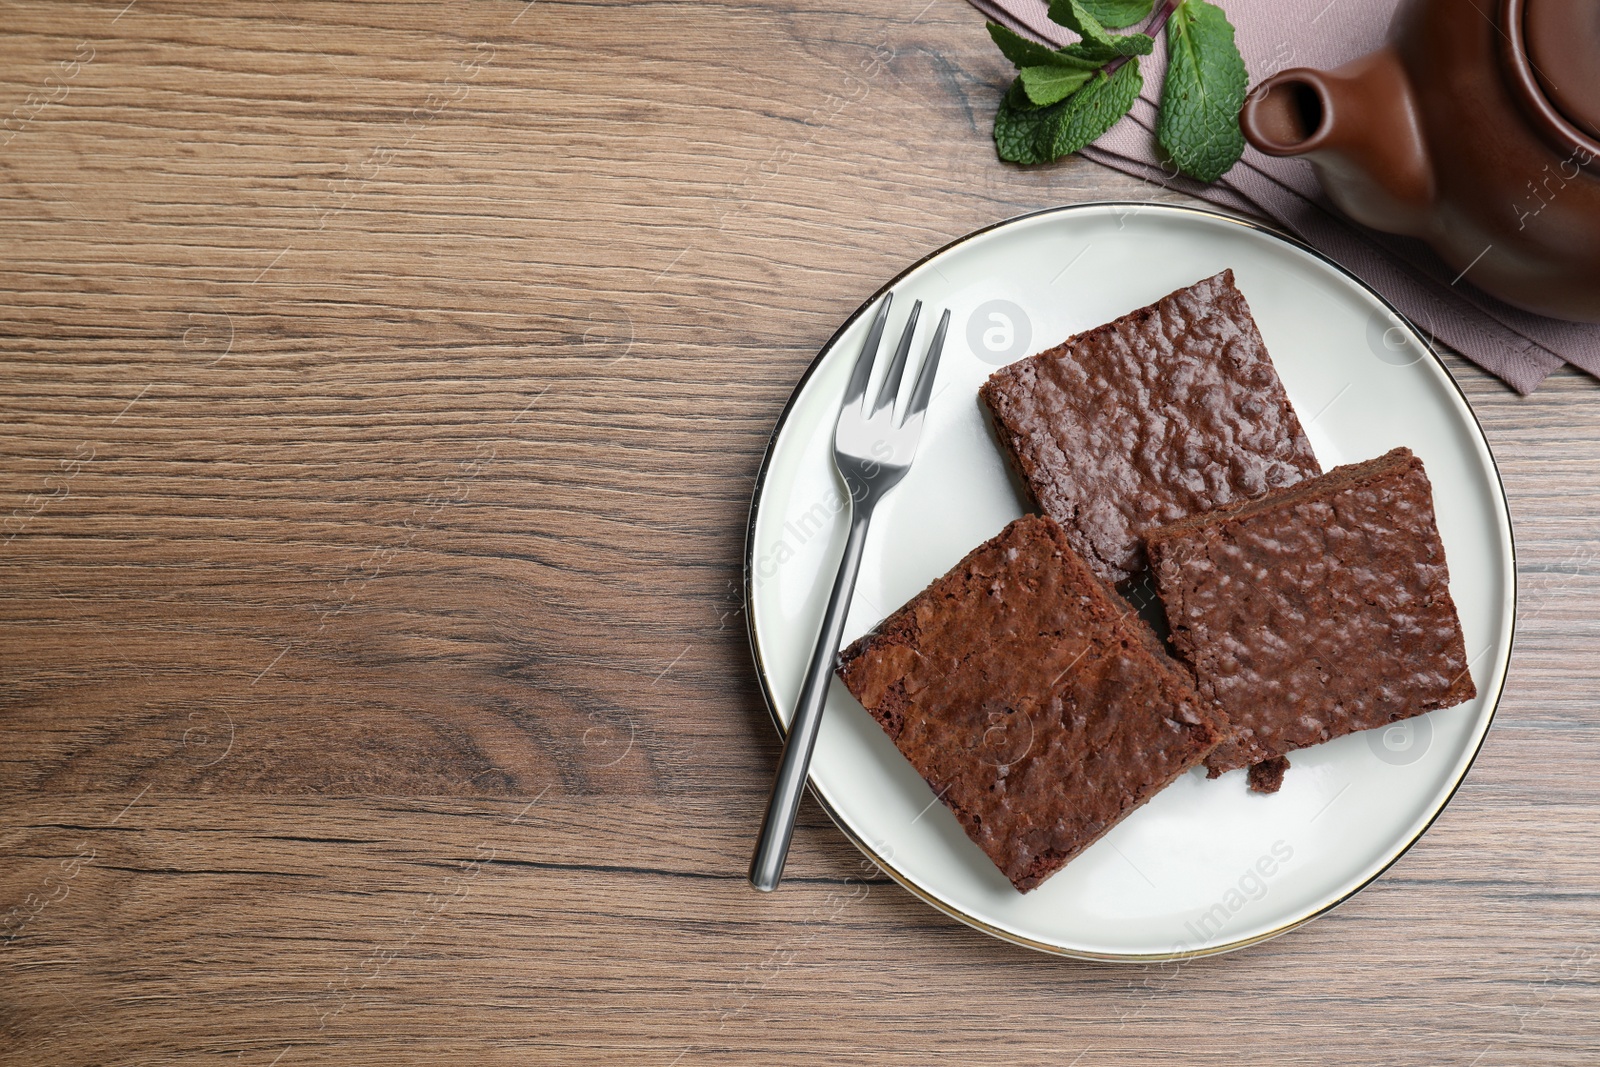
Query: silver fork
[[873, 452]]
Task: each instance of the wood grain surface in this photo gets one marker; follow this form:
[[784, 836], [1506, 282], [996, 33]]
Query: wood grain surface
[[381, 391]]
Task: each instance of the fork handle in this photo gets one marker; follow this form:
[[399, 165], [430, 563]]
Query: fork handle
[[777, 827]]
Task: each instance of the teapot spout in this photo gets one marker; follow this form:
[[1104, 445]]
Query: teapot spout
[[1359, 126]]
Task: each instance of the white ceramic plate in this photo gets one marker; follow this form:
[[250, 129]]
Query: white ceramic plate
[[1206, 866]]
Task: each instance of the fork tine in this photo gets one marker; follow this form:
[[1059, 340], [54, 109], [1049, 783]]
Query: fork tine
[[922, 391], [869, 354], [897, 369]]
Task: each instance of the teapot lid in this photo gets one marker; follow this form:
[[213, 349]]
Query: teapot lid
[[1563, 42], [1551, 51]]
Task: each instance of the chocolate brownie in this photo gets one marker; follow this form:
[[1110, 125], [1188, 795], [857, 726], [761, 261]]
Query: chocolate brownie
[[1025, 693], [1316, 610], [1170, 410]]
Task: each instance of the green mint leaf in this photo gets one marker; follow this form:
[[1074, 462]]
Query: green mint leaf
[[1199, 121], [1134, 44], [1075, 16], [1026, 133], [1026, 53], [1018, 49], [1046, 85], [1094, 109], [1097, 43], [1017, 125], [1116, 14]]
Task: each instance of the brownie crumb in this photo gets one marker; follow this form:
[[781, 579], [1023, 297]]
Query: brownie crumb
[[1267, 776]]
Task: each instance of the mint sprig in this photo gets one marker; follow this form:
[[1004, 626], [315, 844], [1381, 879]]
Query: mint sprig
[[1065, 98]]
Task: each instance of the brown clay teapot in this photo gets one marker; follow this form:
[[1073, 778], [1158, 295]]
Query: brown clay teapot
[[1477, 129]]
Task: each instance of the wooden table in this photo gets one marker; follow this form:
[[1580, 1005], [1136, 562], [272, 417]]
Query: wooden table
[[382, 390]]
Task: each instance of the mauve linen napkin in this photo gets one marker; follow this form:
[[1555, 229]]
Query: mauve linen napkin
[[1273, 35]]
